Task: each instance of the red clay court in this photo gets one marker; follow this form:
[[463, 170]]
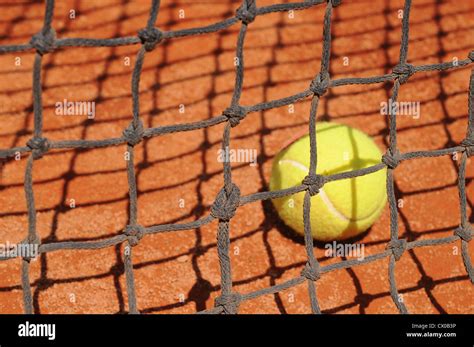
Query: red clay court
[[178, 176]]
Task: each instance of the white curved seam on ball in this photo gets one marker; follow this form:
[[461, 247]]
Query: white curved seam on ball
[[322, 193]]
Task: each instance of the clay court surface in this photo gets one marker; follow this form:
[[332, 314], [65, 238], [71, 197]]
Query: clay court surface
[[179, 176]]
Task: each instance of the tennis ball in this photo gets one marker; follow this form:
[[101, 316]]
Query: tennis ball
[[343, 208]]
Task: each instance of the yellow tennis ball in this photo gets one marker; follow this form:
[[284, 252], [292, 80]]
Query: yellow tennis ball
[[343, 208]]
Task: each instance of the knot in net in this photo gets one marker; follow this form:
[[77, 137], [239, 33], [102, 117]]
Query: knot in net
[[469, 146], [135, 233], [471, 55], [134, 133], [397, 247], [320, 84], [229, 302], [314, 183], [464, 233], [234, 114], [39, 146], [226, 203], [44, 42], [150, 37], [312, 273], [403, 71], [247, 11], [31, 240], [392, 160]]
